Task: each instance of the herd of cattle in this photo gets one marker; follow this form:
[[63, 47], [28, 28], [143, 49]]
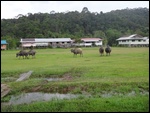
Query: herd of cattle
[[107, 50], [75, 51], [101, 51], [25, 53]]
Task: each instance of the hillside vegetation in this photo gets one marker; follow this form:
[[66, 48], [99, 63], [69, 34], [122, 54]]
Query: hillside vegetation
[[108, 26]]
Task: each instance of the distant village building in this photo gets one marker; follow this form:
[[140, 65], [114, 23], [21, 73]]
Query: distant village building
[[28, 42], [46, 42], [3, 45], [89, 42], [133, 40]]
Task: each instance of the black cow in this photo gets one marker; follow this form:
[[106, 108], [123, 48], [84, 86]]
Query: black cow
[[22, 53], [32, 52], [101, 50], [108, 50]]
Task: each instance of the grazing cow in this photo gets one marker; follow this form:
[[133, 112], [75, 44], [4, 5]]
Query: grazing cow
[[32, 52], [108, 50], [22, 53], [101, 50], [77, 51]]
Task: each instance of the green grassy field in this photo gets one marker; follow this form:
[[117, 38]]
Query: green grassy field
[[125, 70]]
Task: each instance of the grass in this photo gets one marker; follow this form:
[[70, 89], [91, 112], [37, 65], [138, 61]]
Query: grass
[[115, 104], [125, 70]]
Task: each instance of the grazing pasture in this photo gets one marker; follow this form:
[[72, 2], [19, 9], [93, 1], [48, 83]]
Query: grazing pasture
[[125, 72]]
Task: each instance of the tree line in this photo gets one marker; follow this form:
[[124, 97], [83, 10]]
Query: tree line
[[108, 26]]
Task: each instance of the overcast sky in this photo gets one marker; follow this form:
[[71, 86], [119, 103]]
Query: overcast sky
[[11, 9]]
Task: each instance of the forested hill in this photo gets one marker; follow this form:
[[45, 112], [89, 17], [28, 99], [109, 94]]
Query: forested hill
[[75, 25]]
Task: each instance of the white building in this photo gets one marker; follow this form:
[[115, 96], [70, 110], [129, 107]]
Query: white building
[[90, 42], [133, 40], [45, 42]]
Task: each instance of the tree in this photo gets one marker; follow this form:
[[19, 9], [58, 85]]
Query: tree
[[85, 10], [112, 35], [76, 25], [12, 42], [101, 34]]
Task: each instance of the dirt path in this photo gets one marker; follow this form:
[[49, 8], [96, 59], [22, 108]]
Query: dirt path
[[24, 76], [4, 90]]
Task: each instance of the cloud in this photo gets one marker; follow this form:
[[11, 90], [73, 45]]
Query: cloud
[[10, 9]]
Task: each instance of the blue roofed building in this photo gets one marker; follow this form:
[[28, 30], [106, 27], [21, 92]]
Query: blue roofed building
[[3, 45]]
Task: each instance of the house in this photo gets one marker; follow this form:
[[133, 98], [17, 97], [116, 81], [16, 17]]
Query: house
[[3, 45], [45, 42], [91, 42], [133, 40], [28, 42]]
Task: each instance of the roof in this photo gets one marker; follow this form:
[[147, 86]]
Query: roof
[[3, 42], [53, 40], [130, 37], [28, 40], [47, 40], [90, 39], [145, 38]]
